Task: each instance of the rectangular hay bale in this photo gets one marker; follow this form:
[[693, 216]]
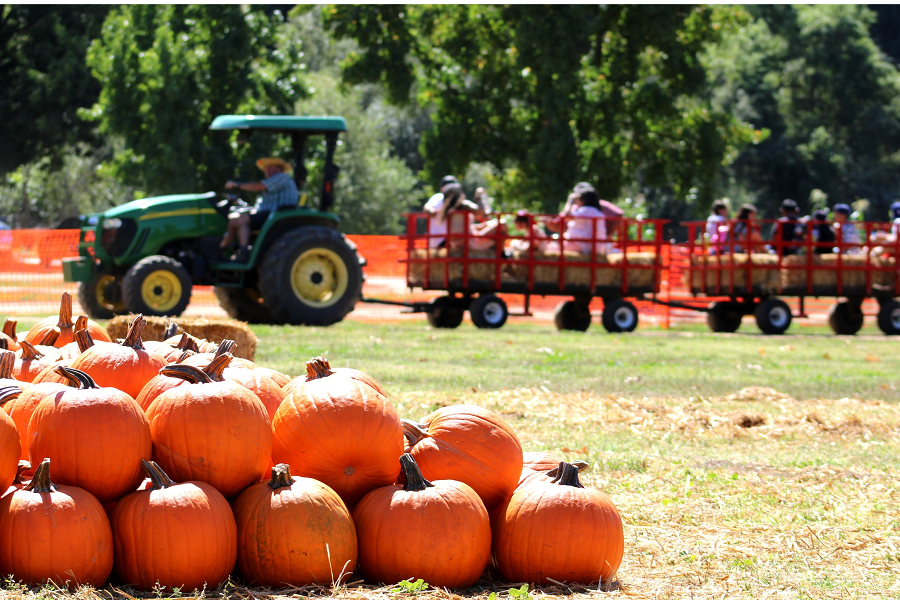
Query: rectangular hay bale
[[478, 272], [825, 279], [718, 278], [580, 276], [213, 329]]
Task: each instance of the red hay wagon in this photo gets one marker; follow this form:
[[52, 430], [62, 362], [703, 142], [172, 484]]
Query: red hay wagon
[[745, 275], [624, 263]]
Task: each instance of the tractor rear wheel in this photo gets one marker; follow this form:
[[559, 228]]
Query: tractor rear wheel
[[157, 286], [244, 304], [310, 276], [101, 297]]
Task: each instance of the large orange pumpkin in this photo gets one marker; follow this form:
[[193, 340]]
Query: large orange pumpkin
[[177, 535], [351, 373], [293, 531], [64, 326], [127, 367], [21, 406], [277, 376], [267, 390], [340, 431], [212, 430], [10, 444], [469, 444], [33, 360], [54, 532], [438, 531], [558, 530], [106, 428]]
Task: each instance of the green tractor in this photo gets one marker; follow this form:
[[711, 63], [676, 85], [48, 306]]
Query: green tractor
[[146, 255]]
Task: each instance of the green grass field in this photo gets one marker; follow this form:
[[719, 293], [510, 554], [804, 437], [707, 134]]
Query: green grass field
[[743, 466]]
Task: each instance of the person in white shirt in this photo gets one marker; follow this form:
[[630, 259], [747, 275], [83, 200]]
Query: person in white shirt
[[717, 227], [583, 211], [436, 227], [457, 212]]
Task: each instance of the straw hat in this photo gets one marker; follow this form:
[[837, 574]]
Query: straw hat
[[274, 160]]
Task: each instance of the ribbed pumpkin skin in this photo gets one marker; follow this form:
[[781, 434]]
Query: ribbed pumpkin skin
[[473, 445], [278, 377], [216, 432], [154, 388], [441, 534], [20, 409], [109, 431], [341, 432], [345, 371], [181, 536], [120, 367], [282, 534], [547, 531], [10, 450], [62, 535], [261, 385]]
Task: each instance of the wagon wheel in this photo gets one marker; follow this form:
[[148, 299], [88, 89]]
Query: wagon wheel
[[773, 316], [845, 318]]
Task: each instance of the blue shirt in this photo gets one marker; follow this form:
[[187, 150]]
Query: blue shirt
[[280, 191]]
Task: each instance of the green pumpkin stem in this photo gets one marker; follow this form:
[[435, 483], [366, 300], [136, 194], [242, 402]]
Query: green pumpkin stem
[[171, 330], [9, 328], [49, 338], [65, 311], [75, 378], [157, 476], [413, 432], [7, 363], [29, 352], [83, 339], [567, 474], [318, 368], [8, 393], [281, 476], [187, 372], [226, 347], [415, 481], [40, 483]]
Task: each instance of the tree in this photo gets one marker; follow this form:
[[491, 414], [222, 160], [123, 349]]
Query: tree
[[551, 95], [44, 80], [812, 76], [166, 71]]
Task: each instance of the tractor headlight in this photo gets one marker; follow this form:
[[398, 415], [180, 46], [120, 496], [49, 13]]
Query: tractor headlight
[[112, 223]]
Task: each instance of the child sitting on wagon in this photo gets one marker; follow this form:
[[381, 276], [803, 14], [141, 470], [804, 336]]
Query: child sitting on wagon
[[457, 212]]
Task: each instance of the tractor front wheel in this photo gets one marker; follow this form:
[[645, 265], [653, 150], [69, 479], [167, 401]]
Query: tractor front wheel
[[101, 297], [310, 276], [157, 286]]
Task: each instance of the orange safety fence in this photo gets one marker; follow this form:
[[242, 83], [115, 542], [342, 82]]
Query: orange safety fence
[[31, 282]]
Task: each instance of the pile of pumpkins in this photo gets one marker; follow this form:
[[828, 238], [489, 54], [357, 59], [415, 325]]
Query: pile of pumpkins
[[173, 463]]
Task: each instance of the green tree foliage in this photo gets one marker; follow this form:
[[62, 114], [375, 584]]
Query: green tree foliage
[[44, 79], [375, 186], [167, 71], [812, 76], [550, 95]]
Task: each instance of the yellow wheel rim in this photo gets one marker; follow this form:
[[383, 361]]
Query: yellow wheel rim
[[319, 277], [100, 293], [161, 290]]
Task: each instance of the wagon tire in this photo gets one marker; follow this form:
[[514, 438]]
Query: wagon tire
[[722, 318], [619, 316], [889, 318], [488, 312], [773, 316], [571, 316], [446, 313], [844, 318]]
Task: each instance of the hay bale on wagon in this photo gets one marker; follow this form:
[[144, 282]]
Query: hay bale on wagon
[[577, 276], [884, 280], [824, 274], [478, 272], [717, 278], [214, 329]]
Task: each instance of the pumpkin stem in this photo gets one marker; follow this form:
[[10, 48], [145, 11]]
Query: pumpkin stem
[[83, 339], [185, 355], [75, 378], [281, 476], [40, 483], [133, 337], [415, 481], [29, 352], [215, 368], [80, 323], [171, 330], [50, 336], [188, 342], [567, 474], [9, 328], [412, 431], [226, 346], [318, 368], [23, 466], [186, 372], [65, 311], [7, 362], [159, 477], [4, 344], [581, 465], [8, 393]]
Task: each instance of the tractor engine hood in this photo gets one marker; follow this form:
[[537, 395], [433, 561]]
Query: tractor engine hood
[[161, 207]]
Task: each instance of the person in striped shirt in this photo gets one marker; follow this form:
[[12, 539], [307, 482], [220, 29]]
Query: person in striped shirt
[[278, 189]]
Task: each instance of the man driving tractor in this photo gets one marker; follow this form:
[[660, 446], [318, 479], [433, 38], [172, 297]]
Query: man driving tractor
[[278, 189]]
